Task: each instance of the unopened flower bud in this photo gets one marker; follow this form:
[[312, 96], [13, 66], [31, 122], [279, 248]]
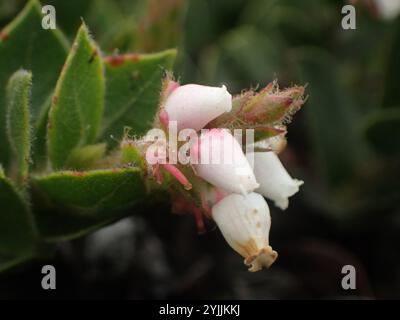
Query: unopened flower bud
[[193, 106], [271, 106], [275, 182], [245, 222]]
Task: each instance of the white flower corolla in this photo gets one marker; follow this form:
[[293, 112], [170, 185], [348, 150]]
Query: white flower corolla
[[388, 9], [245, 222], [193, 106], [210, 196], [275, 182], [222, 162]]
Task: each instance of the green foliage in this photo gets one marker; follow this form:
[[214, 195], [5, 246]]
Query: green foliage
[[62, 117], [24, 44], [92, 190], [235, 58], [133, 85], [18, 121], [79, 202], [78, 101], [17, 229]]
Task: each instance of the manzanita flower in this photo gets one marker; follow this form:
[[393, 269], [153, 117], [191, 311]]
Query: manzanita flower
[[245, 222], [192, 106], [222, 162], [213, 177], [275, 182]]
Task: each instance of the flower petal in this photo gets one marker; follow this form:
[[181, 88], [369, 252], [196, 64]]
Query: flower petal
[[275, 182], [245, 222], [193, 106], [223, 163]]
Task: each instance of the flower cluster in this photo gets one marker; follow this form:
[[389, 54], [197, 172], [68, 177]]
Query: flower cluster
[[211, 172]]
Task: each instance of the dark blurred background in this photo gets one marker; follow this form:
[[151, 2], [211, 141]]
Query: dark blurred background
[[344, 144]]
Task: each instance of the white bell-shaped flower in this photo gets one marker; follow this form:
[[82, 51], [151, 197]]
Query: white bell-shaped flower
[[275, 182], [245, 222], [222, 162], [192, 106]]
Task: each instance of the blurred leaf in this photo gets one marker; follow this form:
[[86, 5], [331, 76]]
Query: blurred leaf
[[382, 130], [82, 201], [288, 19], [77, 105], [70, 13], [113, 27], [17, 231], [214, 17], [18, 121], [86, 157], [25, 44], [391, 96], [133, 91], [112, 24], [331, 116], [244, 57], [8, 8], [161, 25]]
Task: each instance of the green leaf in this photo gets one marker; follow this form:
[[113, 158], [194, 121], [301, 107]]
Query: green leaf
[[78, 202], [77, 105], [25, 44], [17, 229], [133, 91], [39, 144], [331, 116], [18, 121], [288, 19], [382, 130]]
